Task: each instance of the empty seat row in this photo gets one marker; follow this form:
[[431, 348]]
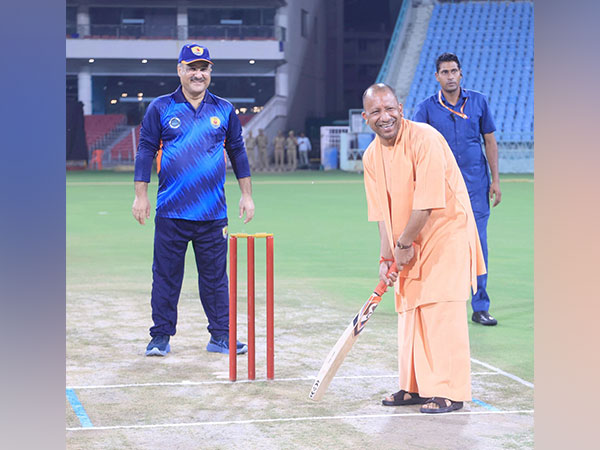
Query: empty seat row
[[495, 47], [98, 126]]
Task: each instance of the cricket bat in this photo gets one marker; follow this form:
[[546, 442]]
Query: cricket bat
[[346, 341]]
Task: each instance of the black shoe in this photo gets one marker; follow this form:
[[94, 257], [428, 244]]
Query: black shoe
[[483, 317]]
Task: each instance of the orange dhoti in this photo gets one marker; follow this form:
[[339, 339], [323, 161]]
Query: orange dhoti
[[433, 351]]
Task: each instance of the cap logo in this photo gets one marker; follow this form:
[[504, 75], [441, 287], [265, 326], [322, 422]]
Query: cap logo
[[215, 121], [174, 122], [197, 50]]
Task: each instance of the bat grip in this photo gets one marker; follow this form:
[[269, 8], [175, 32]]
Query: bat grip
[[382, 287]]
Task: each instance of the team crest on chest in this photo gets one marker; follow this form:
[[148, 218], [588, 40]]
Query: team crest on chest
[[175, 122], [215, 121]]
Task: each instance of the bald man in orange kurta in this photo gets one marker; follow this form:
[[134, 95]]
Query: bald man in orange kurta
[[416, 193]]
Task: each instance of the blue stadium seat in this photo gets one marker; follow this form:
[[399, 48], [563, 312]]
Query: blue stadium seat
[[496, 49]]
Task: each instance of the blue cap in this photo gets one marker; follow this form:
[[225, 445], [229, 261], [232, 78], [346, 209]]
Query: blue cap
[[193, 52]]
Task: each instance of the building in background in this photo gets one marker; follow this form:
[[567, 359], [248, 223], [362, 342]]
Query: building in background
[[367, 33], [121, 55]]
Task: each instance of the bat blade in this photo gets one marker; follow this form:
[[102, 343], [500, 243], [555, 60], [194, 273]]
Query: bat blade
[[341, 348], [345, 342]]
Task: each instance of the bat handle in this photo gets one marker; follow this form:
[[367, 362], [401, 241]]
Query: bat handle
[[382, 287]]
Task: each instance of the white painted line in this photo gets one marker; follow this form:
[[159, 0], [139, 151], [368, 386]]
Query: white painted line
[[203, 383], [295, 419], [263, 380], [183, 383], [502, 372]]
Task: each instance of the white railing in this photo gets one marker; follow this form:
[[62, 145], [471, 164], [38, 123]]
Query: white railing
[[275, 108]]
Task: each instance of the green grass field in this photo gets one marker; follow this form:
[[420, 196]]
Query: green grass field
[[326, 254]]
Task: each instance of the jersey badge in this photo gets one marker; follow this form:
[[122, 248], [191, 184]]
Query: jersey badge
[[174, 122], [215, 121]]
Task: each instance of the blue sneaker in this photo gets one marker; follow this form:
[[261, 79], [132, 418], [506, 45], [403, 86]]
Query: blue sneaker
[[221, 345], [158, 346]]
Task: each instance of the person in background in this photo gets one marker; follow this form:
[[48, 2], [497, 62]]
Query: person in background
[[463, 116], [262, 142], [250, 143], [279, 145], [291, 146], [304, 148]]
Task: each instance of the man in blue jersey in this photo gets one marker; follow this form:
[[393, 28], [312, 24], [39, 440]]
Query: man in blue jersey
[[462, 117], [189, 131]]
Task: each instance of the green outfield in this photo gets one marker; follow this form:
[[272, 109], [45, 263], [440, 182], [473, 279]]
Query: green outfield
[[326, 261]]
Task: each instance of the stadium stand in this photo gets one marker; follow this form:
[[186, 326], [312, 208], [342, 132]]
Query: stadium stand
[[99, 126], [124, 150], [494, 41]]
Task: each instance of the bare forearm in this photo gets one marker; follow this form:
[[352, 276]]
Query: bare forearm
[[141, 205], [417, 220], [141, 189], [246, 202], [384, 250], [245, 185]]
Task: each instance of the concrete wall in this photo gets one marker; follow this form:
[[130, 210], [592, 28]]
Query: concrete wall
[[302, 78]]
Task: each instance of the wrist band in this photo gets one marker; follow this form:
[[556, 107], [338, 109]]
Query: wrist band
[[382, 259]]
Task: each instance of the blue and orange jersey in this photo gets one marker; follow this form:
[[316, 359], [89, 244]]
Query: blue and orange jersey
[[189, 145]]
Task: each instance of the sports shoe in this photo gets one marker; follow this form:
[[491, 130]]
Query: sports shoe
[[159, 346], [221, 345]]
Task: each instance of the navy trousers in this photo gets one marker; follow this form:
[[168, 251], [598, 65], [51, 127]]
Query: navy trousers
[[480, 202], [209, 240]]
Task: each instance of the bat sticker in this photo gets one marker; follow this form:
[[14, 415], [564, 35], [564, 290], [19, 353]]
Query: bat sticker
[[360, 320]]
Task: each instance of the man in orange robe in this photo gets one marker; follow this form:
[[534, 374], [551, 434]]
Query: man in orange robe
[[416, 193]]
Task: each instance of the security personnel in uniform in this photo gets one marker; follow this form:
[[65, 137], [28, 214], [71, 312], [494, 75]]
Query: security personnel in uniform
[[463, 117]]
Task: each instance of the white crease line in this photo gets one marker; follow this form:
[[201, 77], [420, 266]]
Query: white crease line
[[502, 372], [204, 383], [293, 419]]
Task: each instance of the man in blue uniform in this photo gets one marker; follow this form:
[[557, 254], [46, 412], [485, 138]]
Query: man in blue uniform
[[462, 117], [187, 131]]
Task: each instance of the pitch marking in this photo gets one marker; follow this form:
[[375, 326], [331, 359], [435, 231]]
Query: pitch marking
[[78, 409], [295, 419], [264, 380], [502, 372], [484, 404]]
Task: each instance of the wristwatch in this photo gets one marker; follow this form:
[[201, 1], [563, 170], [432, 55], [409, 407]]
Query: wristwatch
[[402, 246]]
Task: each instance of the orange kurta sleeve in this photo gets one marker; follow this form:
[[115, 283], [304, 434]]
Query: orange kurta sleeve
[[430, 170], [374, 211]]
